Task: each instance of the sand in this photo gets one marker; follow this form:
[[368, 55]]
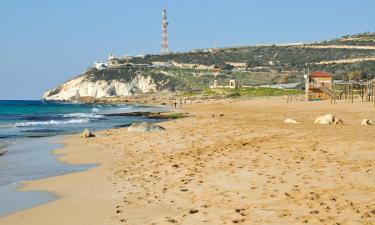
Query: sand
[[228, 163]]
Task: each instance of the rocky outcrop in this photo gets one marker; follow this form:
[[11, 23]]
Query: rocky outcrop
[[145, 127], [290, 121], [2, 152], [367, 122], [328, 119], [83, 87], [87, 134]]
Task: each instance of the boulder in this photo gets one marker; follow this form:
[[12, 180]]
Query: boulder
[[87, 134], [290, 121], [328, 119], [145, 127], [2, 152], [367, 122]]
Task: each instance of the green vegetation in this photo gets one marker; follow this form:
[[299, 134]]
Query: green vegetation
[[366, 69], [244, 92], [269, 64], [179, 79], [271, 57], [364, 39], [175, 116]]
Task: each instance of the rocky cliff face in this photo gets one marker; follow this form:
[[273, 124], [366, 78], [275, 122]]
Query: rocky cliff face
[[82, 86]]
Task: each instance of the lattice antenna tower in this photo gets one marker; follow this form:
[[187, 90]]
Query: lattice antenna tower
[[164, 34]]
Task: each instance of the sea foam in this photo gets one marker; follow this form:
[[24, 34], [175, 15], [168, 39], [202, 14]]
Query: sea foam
[[95, 110], [52, 122], [82, 115]]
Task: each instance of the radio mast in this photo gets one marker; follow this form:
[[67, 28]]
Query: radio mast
[[164, 34]]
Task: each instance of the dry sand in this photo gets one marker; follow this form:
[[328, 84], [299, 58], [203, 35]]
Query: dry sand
[[235, 163]]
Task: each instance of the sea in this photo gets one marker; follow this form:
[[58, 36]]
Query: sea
[[29, 131]]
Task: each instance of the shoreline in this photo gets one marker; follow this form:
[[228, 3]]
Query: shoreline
[[200, 170], [27, 199], [57, 185], [14, 192], [43, 148]]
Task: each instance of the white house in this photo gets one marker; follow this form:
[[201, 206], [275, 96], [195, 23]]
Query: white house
[[100, 65]]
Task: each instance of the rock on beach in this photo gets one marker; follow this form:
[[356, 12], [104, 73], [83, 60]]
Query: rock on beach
[[87, 134], [145, 127], [290, 121], [328, 119], [367, 122], [2, 152]]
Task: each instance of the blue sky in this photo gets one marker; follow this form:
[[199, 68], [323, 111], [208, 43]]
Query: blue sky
[[43, 43]]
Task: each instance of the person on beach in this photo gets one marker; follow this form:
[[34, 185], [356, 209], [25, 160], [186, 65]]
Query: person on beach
[[175, 104]]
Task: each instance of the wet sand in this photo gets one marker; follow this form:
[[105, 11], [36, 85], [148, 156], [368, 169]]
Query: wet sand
[[228, 163], [30, 160]]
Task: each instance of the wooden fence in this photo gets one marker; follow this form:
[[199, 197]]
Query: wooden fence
[[365, 89]]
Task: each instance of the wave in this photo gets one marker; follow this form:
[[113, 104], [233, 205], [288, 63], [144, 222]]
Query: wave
[[6, 126], [120, 108], [83, 115], [52, 122], [95, 110]]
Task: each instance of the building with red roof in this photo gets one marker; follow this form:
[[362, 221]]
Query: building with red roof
[[319, 85], [320, 74]]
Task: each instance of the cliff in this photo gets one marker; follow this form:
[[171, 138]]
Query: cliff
[[128, 80], [86, 86]]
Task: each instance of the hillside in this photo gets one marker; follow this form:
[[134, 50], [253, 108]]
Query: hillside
[[270, 64], [364, 39], [276, 57], [357, 50]]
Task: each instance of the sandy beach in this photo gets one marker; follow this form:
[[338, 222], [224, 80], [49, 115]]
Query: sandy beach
[[227, 163]]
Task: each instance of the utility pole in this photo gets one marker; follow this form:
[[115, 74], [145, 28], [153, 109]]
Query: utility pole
[[307, 85]]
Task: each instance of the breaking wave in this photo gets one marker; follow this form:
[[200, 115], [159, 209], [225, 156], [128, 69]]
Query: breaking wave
[[95, 110], [52, 122], [82, 115], [6, 126]]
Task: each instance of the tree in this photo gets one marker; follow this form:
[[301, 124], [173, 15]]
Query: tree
[[224, 66], [356, 75], [284, 79]]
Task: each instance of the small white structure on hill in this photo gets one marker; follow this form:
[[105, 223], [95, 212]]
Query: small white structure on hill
[[100, 65], [238, 66], [215, 84], [110, 57], [114, 61], [232, 84]]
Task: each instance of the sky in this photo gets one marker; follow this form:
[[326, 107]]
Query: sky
[[46, 42]]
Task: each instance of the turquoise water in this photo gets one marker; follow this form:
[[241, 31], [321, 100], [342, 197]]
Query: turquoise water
[[32, 119], [27, 131]]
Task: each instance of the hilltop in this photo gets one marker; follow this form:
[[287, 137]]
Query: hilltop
[[363, 39], [249, 65], [359, 49]]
